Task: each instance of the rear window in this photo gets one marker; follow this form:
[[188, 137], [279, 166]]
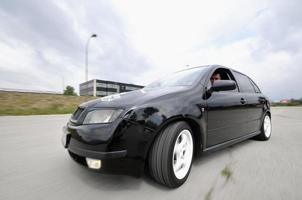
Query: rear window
[[244, 83]]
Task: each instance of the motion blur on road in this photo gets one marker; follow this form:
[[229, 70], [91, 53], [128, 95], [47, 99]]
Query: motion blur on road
[[34, 165]]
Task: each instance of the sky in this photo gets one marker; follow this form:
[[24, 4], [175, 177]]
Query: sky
[[42, 43]]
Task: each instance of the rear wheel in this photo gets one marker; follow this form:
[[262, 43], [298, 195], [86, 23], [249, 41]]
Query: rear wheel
[[171, 155], [266, 129]]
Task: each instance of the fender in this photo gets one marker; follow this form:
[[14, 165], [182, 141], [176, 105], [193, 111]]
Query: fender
[[156, 121]]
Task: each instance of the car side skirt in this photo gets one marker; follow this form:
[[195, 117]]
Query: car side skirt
[[230, 142]]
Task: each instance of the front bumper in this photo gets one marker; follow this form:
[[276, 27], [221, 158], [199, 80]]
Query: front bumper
[[114, 160], [97, 154]]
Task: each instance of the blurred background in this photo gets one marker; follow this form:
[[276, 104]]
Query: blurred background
[[48, 45], [56, 54]]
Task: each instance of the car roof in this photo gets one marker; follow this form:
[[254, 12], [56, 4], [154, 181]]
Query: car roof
[[209, 66], [215, 66]]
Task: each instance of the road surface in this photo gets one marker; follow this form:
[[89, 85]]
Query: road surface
[[34, 165]]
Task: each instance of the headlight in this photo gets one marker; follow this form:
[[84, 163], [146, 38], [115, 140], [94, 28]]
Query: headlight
[[101, 116]]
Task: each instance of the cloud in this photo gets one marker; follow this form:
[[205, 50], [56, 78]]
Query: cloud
[[46, 42], [140, 41], [259, 38]]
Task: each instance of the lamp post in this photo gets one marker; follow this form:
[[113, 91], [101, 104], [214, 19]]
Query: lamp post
[[86, 59]]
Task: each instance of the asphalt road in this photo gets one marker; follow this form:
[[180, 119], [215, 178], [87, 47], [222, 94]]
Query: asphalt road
[[34, 165]]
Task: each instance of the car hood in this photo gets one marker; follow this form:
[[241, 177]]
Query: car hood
[[136, 98]]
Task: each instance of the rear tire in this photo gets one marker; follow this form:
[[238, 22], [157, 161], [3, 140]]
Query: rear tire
[[266, 129], [171, 155]]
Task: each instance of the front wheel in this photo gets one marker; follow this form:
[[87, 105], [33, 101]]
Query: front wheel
[[171, 155]]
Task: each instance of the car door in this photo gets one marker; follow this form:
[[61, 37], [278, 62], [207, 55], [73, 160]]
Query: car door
[[254, 100], [226, 112], [261, 102]]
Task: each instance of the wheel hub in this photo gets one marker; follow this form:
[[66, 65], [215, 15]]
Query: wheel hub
[[182, 154], [267, 126]]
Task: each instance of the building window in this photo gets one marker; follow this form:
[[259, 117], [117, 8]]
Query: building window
[[101, 93], [132, 88], [112, 86], [104, 85]]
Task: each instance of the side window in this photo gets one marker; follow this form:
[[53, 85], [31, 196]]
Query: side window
[[223, 74], [255, 86], [244, 83], [230, 77]]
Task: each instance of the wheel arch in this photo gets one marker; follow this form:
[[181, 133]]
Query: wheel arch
[[262, 118], [196, 130], [269, 113]]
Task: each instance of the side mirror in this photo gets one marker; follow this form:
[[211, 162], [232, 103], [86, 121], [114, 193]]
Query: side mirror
[[223, 85]]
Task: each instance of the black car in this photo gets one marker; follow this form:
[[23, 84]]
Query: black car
[[161, 127]]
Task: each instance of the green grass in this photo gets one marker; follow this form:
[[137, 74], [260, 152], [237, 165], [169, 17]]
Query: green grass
[[18, 103], [209, 195], [291, 102], [227, 173], [288, 104]]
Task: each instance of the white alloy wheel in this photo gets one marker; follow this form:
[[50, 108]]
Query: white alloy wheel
[[182, 154], [267, 126], [171, 154]]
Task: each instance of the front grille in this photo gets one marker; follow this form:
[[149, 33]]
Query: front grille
[[77, 113]]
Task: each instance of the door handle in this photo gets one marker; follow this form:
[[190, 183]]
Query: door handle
[[242, 101]]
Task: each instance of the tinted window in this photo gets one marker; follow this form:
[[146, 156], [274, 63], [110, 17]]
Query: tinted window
[[244, 83], [255, 87]]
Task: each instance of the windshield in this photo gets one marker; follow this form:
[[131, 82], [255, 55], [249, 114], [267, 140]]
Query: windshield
[[182, 78]]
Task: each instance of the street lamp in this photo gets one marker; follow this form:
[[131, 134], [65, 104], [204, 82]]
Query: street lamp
[[86, 59]]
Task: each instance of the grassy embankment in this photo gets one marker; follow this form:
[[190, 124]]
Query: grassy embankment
[[292, 103], [17, 103]]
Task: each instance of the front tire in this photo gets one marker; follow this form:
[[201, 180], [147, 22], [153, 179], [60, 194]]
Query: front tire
[[171, 155], [266, 129]]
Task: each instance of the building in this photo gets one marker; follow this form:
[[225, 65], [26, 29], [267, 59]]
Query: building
[[102, 88], [285, 101]]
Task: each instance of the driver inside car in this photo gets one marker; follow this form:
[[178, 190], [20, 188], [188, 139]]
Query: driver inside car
[[215, 77]]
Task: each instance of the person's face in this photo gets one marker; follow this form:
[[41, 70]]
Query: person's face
[[215, 77]]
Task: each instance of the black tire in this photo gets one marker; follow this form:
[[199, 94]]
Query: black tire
[[263, 136], [161, 155]]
